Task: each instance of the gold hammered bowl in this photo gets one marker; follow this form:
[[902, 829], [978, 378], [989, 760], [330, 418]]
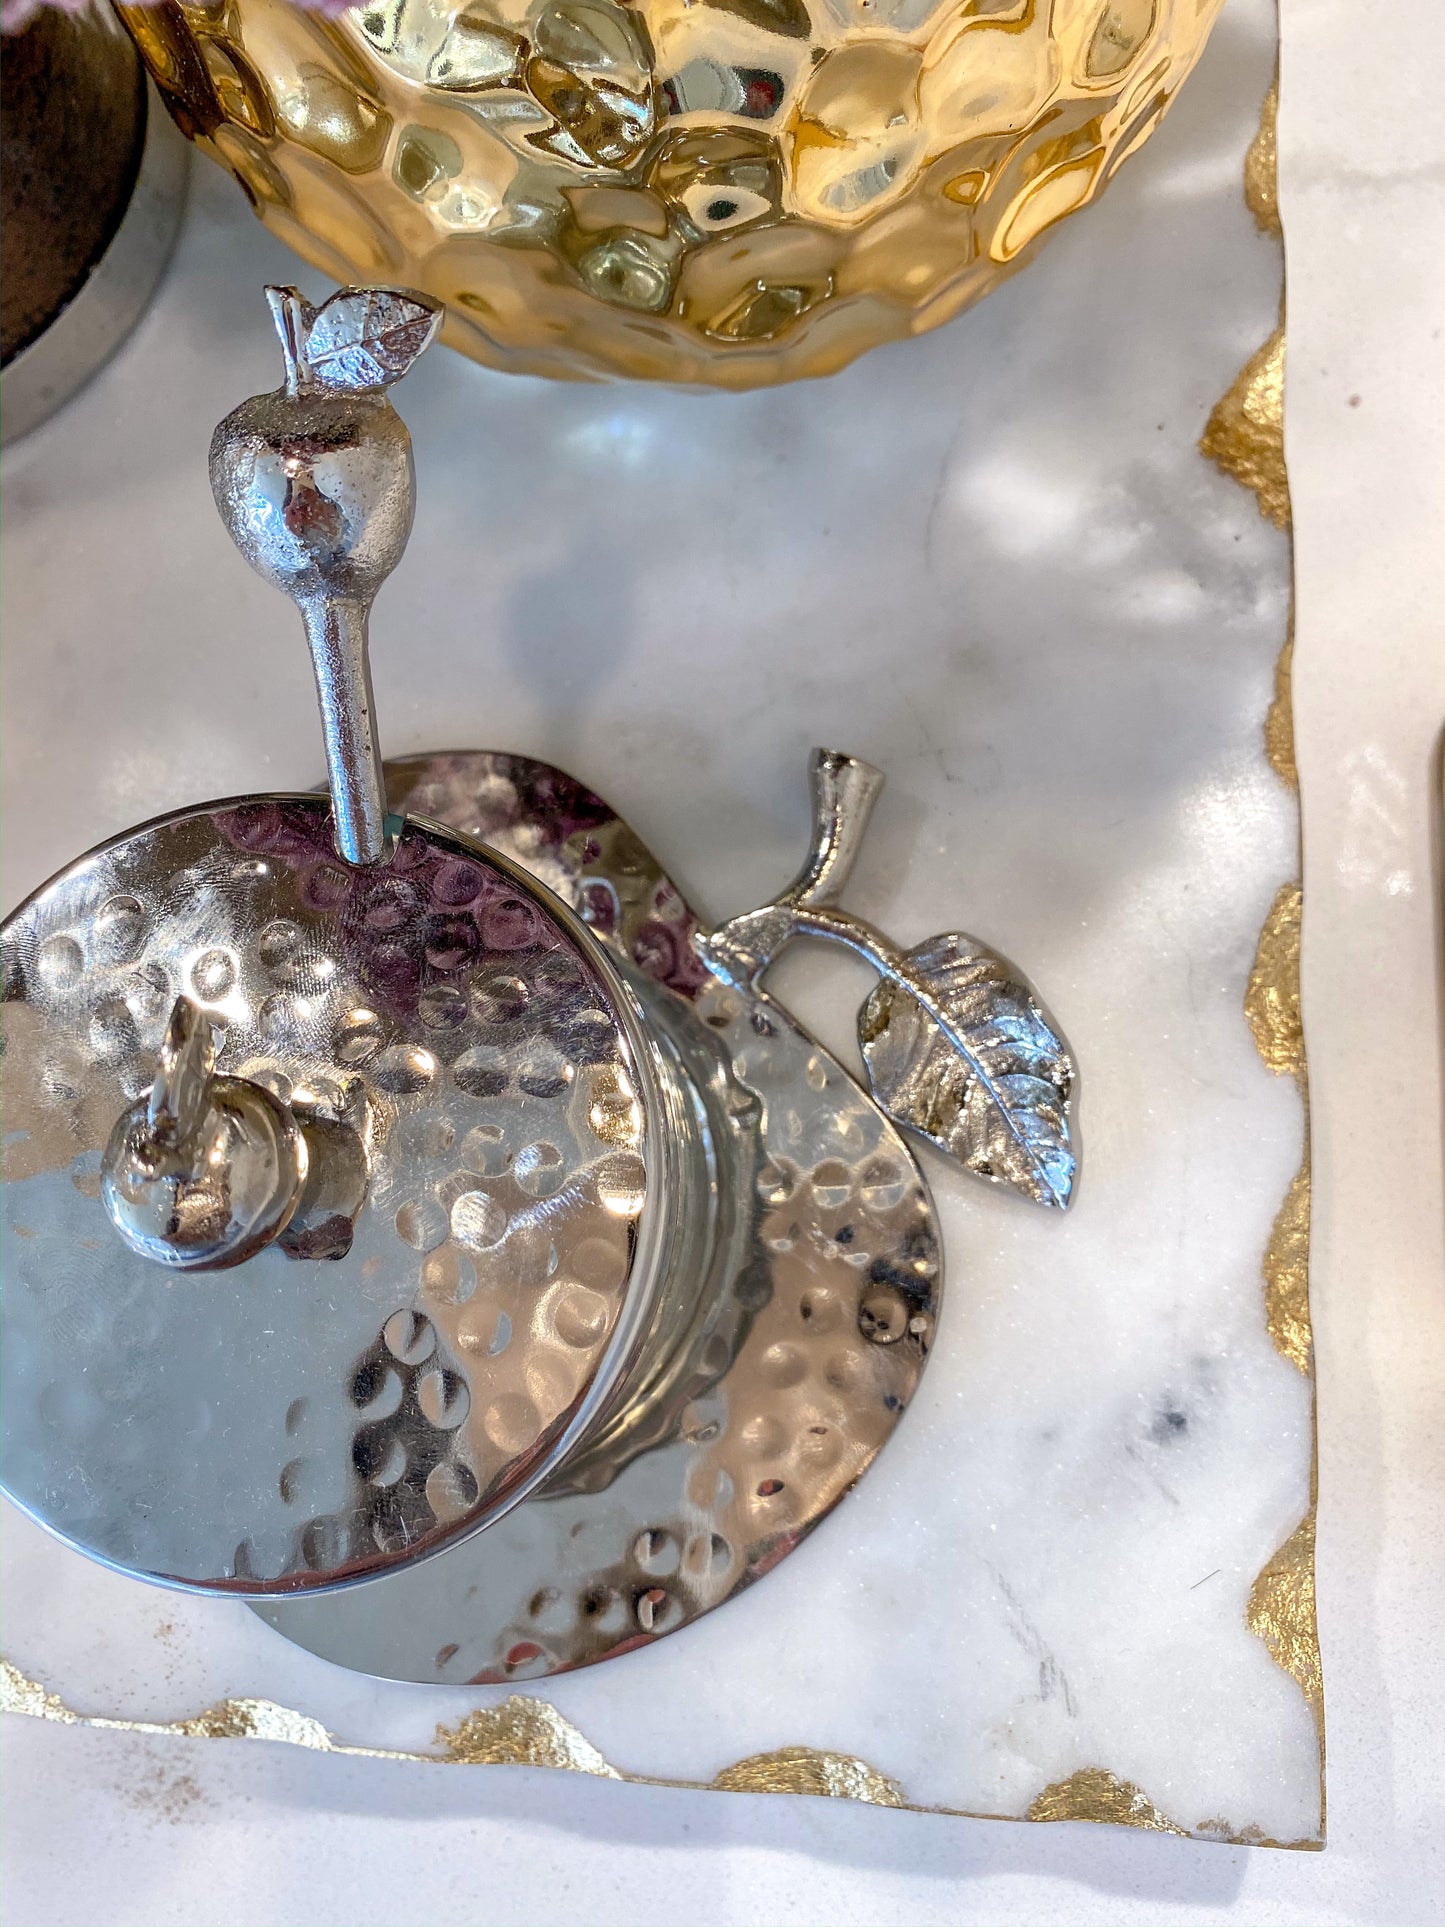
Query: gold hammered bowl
[[723, 191]]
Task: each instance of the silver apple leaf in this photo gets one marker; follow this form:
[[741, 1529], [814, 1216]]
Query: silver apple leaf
[[363, 339], [984, 1075]]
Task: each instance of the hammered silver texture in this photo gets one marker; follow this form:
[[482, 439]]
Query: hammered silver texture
[[796, 1365], [290, 1425]]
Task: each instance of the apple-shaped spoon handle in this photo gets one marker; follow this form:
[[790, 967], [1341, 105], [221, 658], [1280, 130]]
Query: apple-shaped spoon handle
[[316, 486], [955, 1043]]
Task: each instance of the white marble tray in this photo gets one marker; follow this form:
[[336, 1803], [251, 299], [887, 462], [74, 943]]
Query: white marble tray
[[994, 563]]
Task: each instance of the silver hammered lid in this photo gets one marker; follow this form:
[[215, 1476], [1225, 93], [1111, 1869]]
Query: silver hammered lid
[[305, 1418]]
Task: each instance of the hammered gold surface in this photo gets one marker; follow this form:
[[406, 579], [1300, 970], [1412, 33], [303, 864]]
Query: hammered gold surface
[[726, 191]]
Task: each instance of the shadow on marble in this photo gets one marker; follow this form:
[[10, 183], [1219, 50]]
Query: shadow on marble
[[1113, 1861]]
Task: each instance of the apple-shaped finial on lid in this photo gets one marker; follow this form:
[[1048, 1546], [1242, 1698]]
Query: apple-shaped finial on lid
[[316, 487]]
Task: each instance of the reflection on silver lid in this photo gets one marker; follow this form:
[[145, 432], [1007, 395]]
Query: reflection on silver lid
[[286, 1425]]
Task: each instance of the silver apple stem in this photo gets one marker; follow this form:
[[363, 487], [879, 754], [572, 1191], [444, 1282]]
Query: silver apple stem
[[288, 311], [844, 790], [337, 634], [981, 1069]]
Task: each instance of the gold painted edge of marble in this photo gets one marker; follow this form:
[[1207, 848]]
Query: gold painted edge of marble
[[1240, 435], [1261, 166], [1271, 997], [528, 1732], [1244, 435], [1245, 438], [1279, 722]]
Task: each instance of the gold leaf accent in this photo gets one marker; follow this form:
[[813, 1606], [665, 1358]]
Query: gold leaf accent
[[1286, 1275], [528, 1732], [21, 1695], [1093, 1793], [522, 1732], [244, 1719], [1271, 1002], [805, 1769], [1245, 437], [1245, 433], [1261, 171], [1279, 723], [1281, 1611]]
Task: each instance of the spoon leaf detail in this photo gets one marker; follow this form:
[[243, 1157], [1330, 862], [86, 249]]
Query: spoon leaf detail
[[367, 338]]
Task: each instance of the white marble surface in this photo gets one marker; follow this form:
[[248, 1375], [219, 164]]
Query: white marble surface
[[997, 567], [263, 1835]]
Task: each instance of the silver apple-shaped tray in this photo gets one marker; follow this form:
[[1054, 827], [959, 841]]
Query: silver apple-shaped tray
[[417, 1220]]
